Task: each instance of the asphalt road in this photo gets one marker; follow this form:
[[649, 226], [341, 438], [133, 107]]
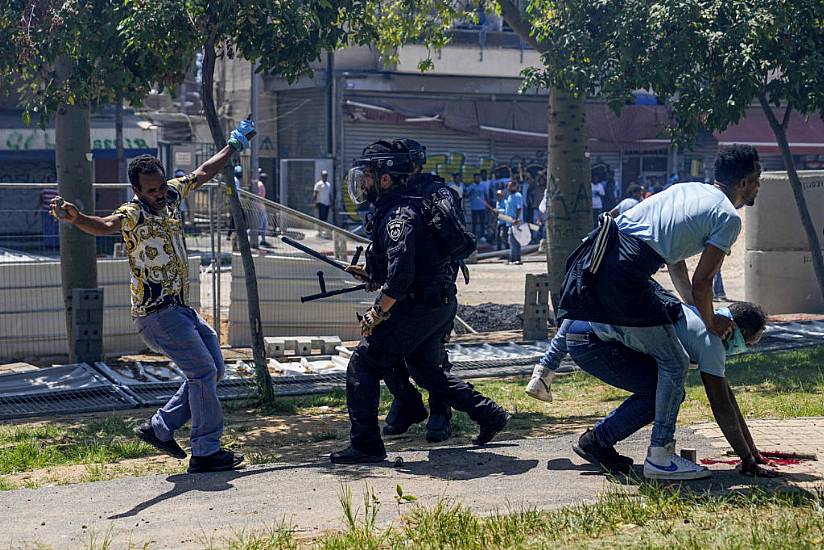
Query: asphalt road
[[187, 511]]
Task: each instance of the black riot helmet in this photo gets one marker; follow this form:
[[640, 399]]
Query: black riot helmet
[[377, 159], [417, 152]]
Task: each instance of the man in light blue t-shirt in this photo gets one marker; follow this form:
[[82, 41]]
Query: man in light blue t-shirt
[[477, 193], [609, 276], [515, 210], [597, 349]]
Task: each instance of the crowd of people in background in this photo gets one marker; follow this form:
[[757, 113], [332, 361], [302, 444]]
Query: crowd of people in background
[[493, 204]]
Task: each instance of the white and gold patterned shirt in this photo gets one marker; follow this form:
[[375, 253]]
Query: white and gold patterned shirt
[[157, 252]]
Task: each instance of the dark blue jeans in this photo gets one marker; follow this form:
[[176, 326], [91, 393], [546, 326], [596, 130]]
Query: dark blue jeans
[[624, 368]]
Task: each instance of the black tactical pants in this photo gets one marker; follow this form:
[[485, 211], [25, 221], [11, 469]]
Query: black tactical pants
[[407, 401], [414, 333]]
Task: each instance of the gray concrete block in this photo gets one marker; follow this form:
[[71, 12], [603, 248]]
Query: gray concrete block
[[274, 346], [303, 345], [330, 344]]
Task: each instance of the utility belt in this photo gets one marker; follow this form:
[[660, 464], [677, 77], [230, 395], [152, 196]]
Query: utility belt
[[433, 295]]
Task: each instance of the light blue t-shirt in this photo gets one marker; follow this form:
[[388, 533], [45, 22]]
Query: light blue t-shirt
[[626, 204], [704, 348], [514, 202], [477, 195], [679, 222]]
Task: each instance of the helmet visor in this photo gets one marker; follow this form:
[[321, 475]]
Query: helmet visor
[[357, 179]]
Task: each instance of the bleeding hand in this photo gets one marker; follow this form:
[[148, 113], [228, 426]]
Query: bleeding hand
[[749, 467], [761, 459]]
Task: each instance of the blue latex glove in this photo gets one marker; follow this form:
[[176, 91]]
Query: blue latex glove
[[239, 138]]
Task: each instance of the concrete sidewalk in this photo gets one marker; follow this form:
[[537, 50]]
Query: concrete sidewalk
[[188, 511]]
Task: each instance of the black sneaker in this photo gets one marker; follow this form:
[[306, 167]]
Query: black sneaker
[[399, 421], [146, 433], [438, 429], [606, 458], [491, 427], [219, 461], [353, 456]]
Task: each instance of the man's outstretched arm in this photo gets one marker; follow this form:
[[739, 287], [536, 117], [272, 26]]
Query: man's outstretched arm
[[729, 419], [209, 169], [93, 225]]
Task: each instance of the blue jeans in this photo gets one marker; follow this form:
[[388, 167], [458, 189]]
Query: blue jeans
[[663, 345], [185, 338], [621, 367], [514, 248], [718, 286]]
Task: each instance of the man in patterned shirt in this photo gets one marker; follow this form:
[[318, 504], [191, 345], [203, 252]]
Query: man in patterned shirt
[[152, 227]]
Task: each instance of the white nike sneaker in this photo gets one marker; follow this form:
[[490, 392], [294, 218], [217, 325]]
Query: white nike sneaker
[[663, 463], [539, 386]]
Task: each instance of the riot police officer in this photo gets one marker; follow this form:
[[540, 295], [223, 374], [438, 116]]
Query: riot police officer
[[407, 405], [414, 309]]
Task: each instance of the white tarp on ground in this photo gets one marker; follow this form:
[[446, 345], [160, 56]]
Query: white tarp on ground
[[64, 377]]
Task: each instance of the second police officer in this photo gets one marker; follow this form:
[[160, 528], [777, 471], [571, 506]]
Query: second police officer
[[407, 406], [414, 310]]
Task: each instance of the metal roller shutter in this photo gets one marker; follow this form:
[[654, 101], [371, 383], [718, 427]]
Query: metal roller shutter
[[450, 151]]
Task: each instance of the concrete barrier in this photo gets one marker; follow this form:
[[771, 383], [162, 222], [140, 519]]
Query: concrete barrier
[[778, 270], [773, 223], [782, 281], [32, 318]]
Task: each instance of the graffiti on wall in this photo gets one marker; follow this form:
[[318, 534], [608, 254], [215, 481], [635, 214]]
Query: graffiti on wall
[[101, 138], [35, 171], [446, 164]]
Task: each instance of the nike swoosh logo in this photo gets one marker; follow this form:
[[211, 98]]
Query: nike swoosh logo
[[671, 468]]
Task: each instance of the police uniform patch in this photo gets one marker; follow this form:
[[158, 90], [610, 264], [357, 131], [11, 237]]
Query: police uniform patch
[[395, 229]]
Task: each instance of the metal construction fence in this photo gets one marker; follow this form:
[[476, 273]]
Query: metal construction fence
[[32, 318]]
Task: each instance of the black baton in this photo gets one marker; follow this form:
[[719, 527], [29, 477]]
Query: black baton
[[315, 254]]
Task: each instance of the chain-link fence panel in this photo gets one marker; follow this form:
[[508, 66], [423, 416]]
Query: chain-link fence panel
[[288, 277]]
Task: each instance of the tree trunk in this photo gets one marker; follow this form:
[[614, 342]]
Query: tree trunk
[[120, 152], [78, 261], [798, 192], [569, 194], [264, 381]]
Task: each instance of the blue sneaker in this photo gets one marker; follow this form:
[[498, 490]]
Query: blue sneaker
[[663, 463]]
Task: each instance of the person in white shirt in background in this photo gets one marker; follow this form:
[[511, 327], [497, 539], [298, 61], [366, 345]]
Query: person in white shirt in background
[[598, 193], [263, 216], [322, 196]]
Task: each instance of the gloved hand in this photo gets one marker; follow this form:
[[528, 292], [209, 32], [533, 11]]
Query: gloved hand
[[239, 138], [372, 318], [359, 272]]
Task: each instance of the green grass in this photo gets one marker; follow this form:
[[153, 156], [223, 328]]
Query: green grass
[[656, 517], [779, 385], [97, 441]]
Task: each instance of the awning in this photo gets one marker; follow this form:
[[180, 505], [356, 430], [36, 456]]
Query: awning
[[639, 127], [804, 134]]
